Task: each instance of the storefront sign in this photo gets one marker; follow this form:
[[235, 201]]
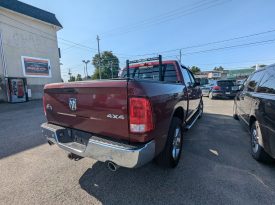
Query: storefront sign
[[36, 67]]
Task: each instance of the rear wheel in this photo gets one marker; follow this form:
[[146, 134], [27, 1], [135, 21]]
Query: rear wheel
[[170, 156], [257, 150]]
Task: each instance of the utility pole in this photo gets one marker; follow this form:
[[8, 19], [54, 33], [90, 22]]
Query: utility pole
[[69, 73], [111, 64], [85, 68], [97, 38]]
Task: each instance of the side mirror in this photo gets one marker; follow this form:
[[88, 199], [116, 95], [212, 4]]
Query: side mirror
[[241, 87], [197, 82]]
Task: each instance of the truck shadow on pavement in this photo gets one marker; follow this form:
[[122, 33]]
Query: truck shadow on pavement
[[216, 165]]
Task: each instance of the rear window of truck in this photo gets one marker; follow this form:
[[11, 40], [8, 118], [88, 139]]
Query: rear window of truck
[[226, 83], [152, 73]]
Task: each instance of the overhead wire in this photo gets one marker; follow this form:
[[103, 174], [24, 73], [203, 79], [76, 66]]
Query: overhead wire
[[164, 18]]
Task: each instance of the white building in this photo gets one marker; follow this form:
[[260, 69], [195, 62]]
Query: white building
[[28, 48]]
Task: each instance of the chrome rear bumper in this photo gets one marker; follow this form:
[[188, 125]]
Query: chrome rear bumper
[[102, 150]]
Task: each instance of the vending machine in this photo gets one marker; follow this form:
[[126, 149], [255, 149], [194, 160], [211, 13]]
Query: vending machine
[[17, 89]]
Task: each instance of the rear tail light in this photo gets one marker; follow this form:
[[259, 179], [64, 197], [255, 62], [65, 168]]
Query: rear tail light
[[44, 104], [141, 118], [216, 88]]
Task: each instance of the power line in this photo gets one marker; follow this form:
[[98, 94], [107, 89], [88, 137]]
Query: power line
[[144, 21], [234, 46], [69, 42], [206, 44], [148, 26], [217, 49], [168, 16], [235, 62]]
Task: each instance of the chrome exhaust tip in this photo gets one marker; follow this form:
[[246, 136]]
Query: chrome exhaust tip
[[50, 143], [112, 166], [74, 157]]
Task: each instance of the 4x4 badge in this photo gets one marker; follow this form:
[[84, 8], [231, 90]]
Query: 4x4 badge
[[118, 117]]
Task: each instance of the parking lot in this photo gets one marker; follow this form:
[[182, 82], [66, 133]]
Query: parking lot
[[216, 166]]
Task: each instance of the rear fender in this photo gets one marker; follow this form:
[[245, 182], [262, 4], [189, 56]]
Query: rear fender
[[178, 112]]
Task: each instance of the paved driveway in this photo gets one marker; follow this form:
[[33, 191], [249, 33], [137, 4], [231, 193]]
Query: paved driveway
[[216, 167]]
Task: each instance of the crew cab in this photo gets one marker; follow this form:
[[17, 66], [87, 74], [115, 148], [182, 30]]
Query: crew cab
[[127, 121]]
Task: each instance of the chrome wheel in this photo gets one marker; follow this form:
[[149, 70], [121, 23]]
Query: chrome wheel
[[254, 140], [176, 143]]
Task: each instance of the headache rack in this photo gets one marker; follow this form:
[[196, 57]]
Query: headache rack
[[159, 58]]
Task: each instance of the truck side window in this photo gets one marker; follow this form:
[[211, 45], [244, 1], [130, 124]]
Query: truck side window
[[192, 79], [186, 77]]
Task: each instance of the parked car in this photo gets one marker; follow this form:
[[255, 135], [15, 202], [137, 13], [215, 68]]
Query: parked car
[[224, 89], [240, 82], [255, 106], [205, 89], [128, 121]]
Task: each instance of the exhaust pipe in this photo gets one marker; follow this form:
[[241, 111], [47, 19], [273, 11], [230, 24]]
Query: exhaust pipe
[[112, 166], [74, 157], [50, 143]]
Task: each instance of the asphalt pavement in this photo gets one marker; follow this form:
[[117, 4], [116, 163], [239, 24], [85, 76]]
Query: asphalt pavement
[[216, 166]]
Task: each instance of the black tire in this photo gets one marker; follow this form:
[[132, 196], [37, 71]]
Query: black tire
[[235, 113], [257, 150], [166, 158], [201, 109]]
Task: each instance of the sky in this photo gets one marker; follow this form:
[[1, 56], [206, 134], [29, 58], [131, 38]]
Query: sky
[[145, 28]]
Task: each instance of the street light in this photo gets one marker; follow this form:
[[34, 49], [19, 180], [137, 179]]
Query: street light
[[85, 68]]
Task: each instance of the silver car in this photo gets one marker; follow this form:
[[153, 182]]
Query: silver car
[[205, 89]]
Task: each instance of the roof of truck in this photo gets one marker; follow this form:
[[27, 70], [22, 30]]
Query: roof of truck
[[152, 63]]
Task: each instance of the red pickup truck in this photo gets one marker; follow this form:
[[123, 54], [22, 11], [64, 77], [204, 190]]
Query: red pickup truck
[[127, 121]]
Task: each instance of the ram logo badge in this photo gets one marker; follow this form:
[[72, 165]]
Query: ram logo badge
[[72, 104], [118, 117]]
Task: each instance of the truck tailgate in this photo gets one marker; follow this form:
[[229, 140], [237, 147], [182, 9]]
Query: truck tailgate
[[100, 107]]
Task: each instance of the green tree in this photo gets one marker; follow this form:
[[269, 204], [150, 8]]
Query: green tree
[[195, 70], [72, 78], [78, 77], [108, 63], [220, 68]]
